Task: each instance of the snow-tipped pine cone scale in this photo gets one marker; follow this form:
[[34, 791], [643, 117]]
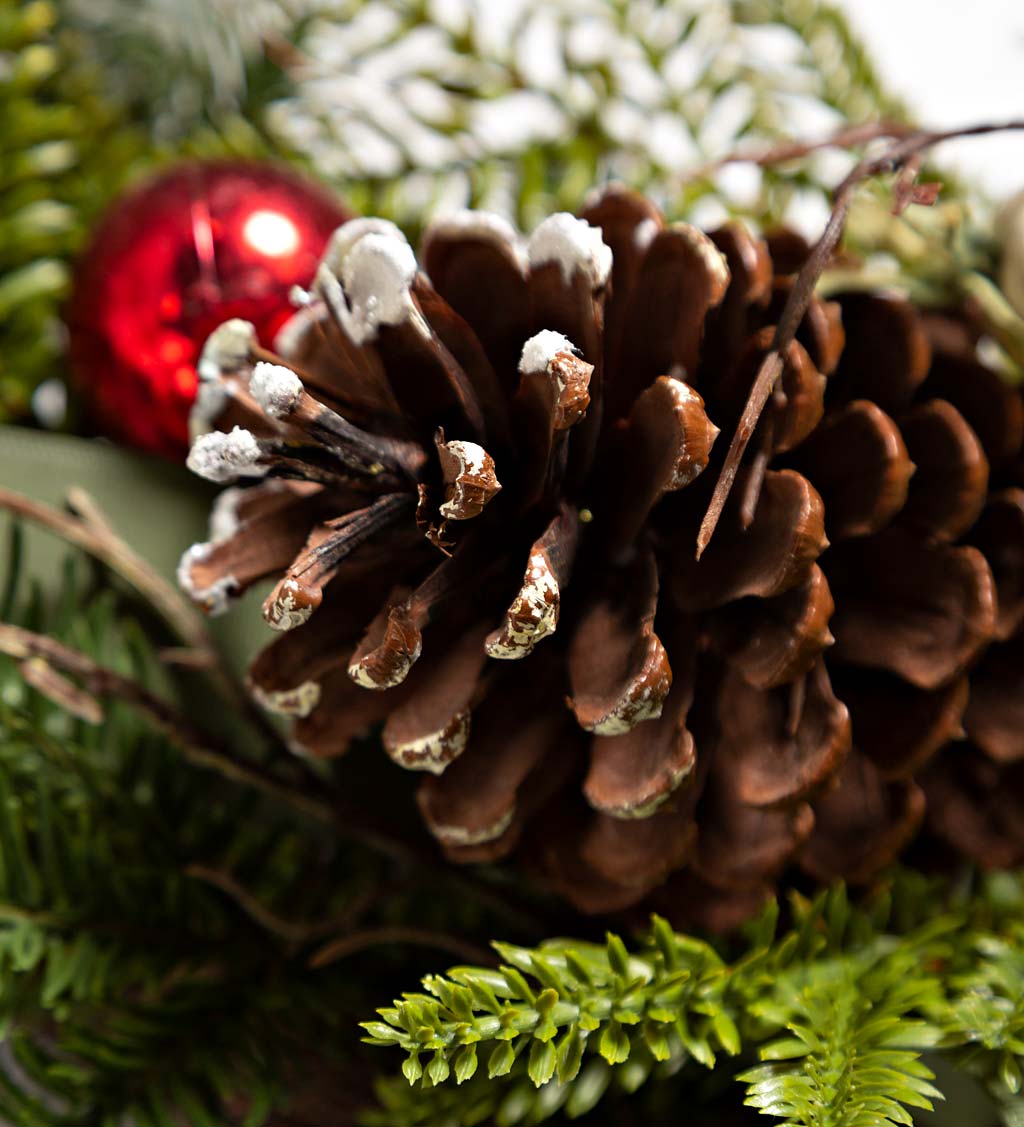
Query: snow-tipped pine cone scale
[[477, 481]]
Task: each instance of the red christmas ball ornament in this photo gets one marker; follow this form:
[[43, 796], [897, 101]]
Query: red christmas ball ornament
[[168, 263]]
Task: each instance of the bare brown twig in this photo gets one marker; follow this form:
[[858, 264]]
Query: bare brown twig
[[296, 932], [848, 138], [346, 945], [88, 528], [903, 153]]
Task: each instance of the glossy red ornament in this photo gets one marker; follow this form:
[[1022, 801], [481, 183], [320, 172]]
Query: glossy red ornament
[[168, 263]]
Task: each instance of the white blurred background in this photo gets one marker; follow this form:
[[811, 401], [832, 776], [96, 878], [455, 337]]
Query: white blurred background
[[954, 62]]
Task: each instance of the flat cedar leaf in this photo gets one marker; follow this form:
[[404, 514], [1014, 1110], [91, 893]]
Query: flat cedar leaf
[[465, 1063], [614, 1043], [412, 1070], [726, 1032], [700, 1050], [380, 1033], [786, 1048], [516, 1106], [656, 1039], [541, 1066], [807, 1035], [570, 1055], [545, 1000], [618, 956], [578, 968], [914, 1099], [912, 1035], [665, 938], [501, 1060], [634, 1073], [486, 978], [518, 985], [517, 956], [438, 1070], [764, 928], [545, 974], [588, 1089], [761, 1075], [1009, 1073]]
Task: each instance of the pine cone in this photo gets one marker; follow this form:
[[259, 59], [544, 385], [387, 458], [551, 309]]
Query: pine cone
[[479, 497]]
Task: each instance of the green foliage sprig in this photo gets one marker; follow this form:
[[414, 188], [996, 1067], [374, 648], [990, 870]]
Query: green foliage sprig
[[838, 1006], [133, 989]]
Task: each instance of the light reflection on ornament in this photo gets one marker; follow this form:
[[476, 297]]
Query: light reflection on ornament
[[271, 233]]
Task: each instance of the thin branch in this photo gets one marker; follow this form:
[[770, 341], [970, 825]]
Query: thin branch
[[88, 528], [906, 149], [346, 945], [297, 933], [850, 137], [194, 744]]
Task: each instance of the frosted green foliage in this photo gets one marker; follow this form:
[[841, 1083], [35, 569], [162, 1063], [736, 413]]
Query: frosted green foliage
[[178, 63], [520, 107]]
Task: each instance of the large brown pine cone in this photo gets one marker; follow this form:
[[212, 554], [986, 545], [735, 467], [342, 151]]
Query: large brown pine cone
[[478, 480]]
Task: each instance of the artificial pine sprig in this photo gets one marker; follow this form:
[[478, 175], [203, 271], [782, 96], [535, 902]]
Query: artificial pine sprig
[[839, 1007]]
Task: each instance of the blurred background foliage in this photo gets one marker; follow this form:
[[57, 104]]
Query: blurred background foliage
[[404, 107]]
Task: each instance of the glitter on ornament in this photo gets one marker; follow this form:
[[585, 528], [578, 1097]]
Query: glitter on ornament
[[201, 243]]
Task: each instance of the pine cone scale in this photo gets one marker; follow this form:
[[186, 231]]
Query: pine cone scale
[[477, 479]]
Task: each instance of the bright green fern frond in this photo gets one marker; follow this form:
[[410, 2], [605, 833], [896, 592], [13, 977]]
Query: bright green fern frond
[[842, 1062]]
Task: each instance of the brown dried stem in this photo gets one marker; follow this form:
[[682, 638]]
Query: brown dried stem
[[346, 945], [903, 153], [848, 138], [87, 528], [295, 932]]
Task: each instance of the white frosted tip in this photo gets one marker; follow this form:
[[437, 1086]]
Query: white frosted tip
[[644, 233], [574, 245], [348, 234], [541, 349], [223, 457], [375, 267], [227, 348], [275, 388], [215, 598], [224, 520], [211, 398]]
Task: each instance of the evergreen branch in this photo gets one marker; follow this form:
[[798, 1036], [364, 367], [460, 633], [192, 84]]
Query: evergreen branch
[[672, 998], [842, 1062], [840, 1007], [195, 746]]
